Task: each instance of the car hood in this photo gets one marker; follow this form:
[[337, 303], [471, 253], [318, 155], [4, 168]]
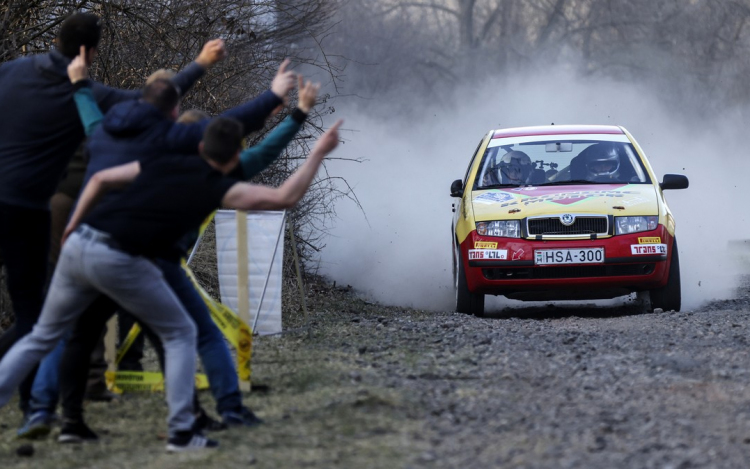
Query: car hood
[[521, 202]]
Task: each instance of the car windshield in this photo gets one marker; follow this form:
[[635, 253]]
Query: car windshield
[[511, 162]]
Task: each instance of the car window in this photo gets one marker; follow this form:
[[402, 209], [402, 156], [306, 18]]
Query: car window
[[548, 162], [471, 163]]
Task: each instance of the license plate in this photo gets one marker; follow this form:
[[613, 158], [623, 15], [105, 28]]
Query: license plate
[[569, 256]]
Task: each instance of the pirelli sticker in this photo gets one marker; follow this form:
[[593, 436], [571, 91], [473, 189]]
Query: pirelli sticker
[[488, 254], [655, 240], [484, 245], [642, 249]]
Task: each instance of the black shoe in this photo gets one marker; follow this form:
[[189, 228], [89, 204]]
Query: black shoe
[[244, 418], [76, 432], [104, 395], [189, 441], [203, 422]]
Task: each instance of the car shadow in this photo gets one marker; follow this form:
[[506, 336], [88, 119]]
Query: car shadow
[[561, 311]]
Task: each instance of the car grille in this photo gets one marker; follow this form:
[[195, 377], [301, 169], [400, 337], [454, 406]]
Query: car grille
[[581, 226], [577, 271]]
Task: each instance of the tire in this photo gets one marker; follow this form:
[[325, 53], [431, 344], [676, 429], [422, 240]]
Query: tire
[[669, 297], [466, 301]]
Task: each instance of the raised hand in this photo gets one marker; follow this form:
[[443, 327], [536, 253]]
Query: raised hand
[[284, 81], [78, 69], [307, 95], [329, 140], [213, 51]]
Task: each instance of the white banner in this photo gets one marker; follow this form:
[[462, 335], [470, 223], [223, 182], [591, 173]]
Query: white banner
[[262, 232]]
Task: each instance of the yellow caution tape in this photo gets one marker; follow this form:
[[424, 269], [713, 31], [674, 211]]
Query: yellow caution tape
[[125, 346], [143, 381], [236, 331]]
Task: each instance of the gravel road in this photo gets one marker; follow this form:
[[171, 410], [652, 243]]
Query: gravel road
[[558, 387], [574, 386]]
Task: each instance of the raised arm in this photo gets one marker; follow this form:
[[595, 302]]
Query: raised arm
[[243, 196], [253, 113], [258, 157], [89, 112], [184, 138], [212, 52], [99, 184]]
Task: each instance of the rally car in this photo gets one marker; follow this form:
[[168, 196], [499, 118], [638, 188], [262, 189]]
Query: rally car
[[563, 213]]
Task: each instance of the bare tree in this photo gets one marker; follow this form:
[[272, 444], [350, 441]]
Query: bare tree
[[140, 37], [694, 52]]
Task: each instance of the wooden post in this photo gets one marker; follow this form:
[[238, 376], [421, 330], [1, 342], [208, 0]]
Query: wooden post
[[243, 277], [300, 285], [110, 344]]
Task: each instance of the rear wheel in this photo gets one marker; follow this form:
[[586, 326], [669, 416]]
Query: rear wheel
[[669, 297], [466, 301]]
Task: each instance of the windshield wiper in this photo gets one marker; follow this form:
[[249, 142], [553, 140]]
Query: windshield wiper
[[568, 183], [497, 186]]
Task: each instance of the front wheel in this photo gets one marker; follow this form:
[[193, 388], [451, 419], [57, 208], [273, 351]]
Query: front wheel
[[669, 297], [466, 301]]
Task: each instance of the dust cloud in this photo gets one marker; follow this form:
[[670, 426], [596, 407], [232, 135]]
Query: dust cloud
[[397, 250]]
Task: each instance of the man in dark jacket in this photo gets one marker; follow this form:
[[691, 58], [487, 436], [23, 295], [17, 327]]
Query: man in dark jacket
[[39, 132]]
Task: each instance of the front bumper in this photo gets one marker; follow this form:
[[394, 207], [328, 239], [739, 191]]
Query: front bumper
[[621, 271]]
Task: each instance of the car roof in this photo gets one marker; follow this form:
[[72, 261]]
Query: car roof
[[558, 130]]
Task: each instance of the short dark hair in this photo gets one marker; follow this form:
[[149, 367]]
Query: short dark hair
[[162, 94], [79, 29], [221, 139]]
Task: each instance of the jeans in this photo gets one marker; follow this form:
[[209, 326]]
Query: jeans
[[89, 265], [24, 246], [44, 391], [212, 348]]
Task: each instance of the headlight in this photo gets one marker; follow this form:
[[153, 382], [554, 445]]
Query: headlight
[[506, 228], [627, 225]]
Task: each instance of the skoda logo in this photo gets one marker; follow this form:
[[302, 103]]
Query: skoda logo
[[567, 219]]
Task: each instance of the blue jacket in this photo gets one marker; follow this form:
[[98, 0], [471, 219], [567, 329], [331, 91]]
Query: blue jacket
[[136, 131], [253, 160], [39, 125]]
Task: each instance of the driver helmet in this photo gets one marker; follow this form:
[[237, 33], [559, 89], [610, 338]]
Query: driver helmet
[[602, 162], [515, 167]]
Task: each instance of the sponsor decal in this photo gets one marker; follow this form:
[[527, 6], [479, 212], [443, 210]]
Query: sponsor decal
[[484, 245], [493, 197], [517, 255], [652, 240], [567, 198], [634, 201], [641, 249], [486, 254]]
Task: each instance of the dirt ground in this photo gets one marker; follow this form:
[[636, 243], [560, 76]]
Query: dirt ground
[[538, 387]]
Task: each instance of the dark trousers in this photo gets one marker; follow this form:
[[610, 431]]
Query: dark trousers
[[75, 363], [24, 246]]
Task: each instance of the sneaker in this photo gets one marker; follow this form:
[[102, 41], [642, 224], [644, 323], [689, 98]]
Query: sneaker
[[76, 432], [189, 441], [244, 418], [204, 422], [37, 425]]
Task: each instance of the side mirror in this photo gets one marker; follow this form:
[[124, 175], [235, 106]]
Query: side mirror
[[457, 188], [674, 181]]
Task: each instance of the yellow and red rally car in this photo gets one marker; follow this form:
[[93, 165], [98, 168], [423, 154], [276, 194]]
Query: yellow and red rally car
[[563, 213]]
